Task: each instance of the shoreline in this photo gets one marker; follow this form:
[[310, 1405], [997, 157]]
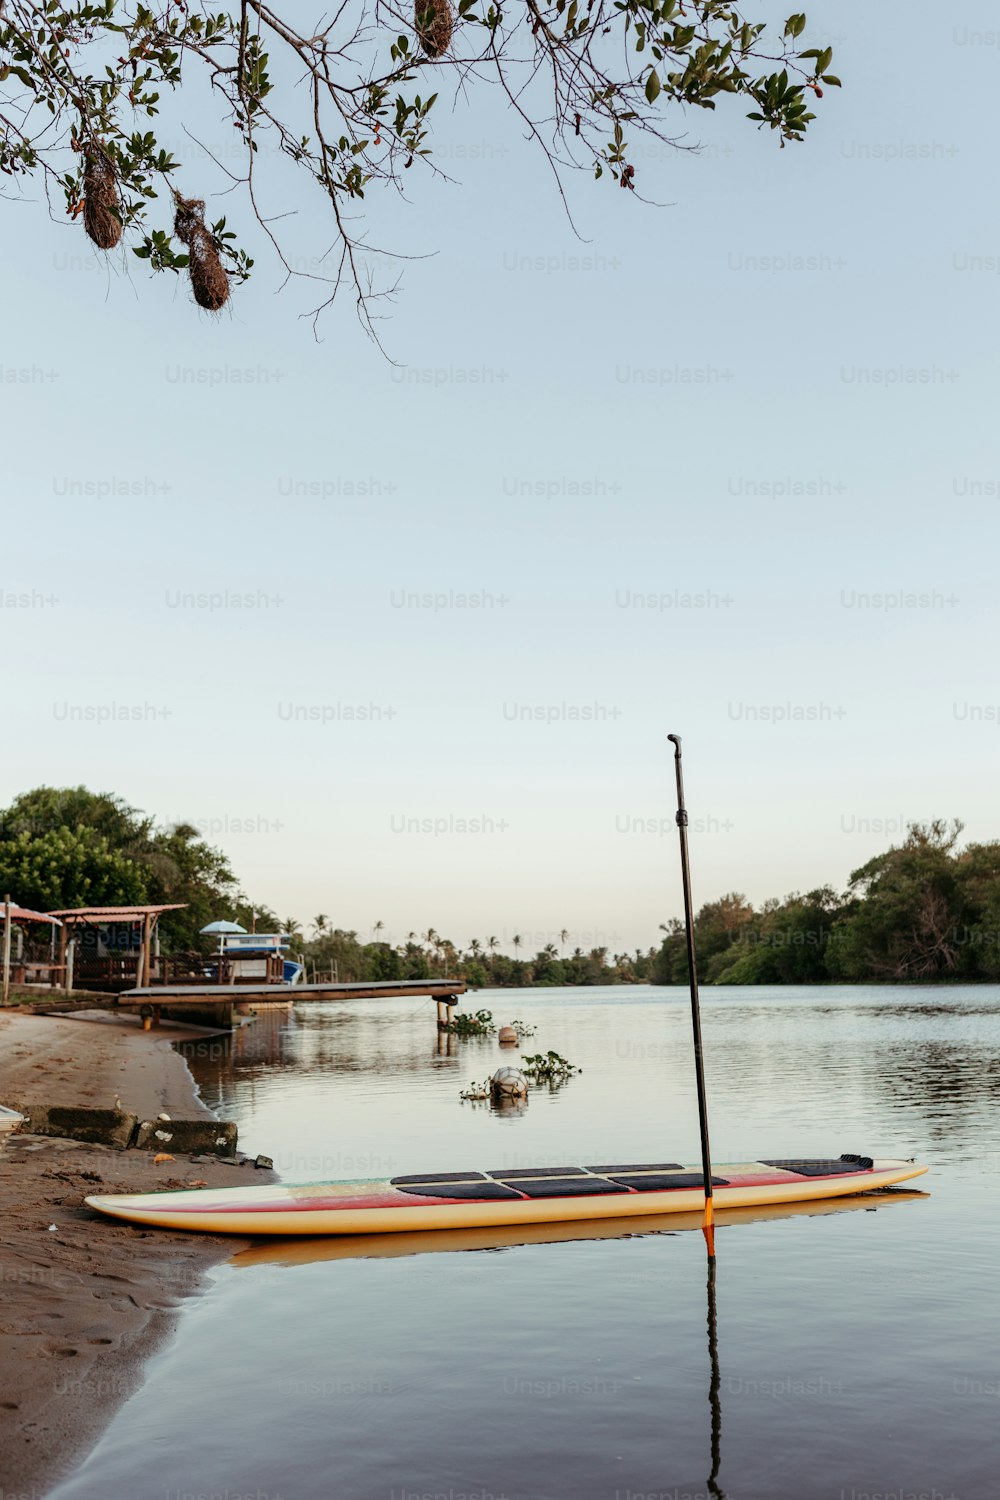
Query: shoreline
[[88, 1300]]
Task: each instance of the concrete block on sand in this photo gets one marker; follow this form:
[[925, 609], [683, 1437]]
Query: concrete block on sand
[[216, 1137], [78, 1122]]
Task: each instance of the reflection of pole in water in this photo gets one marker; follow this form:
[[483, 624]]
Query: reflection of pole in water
[[714, 1386]]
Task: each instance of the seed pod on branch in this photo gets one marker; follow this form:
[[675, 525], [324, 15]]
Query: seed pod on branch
[[102, 205], [433, 21], [209, 281]]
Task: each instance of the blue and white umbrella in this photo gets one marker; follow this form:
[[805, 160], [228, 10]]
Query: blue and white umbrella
[[222, 927]]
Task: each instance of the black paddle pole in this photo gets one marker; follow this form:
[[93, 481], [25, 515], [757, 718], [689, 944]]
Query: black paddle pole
[[708, 1223]]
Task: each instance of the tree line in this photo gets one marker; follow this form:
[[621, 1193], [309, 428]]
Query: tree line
[[339, 954], [926, 910], [922, 912]]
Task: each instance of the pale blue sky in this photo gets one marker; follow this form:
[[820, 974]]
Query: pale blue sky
[[558, 488]]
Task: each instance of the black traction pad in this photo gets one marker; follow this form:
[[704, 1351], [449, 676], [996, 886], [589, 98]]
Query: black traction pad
[[656, 1166], [438, 1177], [569, 1187], [515, 1174], [658, 1184], [475, 1190], [815, 1168]]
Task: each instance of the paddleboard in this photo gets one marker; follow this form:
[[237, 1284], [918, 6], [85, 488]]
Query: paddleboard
[[519, 1195]]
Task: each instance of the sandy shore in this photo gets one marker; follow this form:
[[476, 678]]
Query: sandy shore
[[86, 1300]]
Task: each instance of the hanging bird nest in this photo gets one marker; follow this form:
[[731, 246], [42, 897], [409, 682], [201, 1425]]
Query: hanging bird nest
[[433, 21], [209, 281], [101, 203]]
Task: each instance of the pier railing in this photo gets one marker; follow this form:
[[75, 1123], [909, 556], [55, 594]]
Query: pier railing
[[112, 973]]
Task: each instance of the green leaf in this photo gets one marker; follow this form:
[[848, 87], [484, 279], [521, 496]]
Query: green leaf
[[652, 85]]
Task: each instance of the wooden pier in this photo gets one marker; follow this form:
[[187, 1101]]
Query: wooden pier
[[215, 1004]]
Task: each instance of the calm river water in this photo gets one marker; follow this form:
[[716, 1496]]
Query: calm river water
[[858, 1351]]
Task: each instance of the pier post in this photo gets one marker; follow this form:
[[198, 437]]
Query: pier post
[[443, 1015], [6, 951]]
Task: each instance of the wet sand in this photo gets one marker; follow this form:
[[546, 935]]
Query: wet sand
[[86, 1300]]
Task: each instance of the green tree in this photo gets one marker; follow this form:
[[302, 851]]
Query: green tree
[[383, 962], [349, 104], [547, 968], [183, 868], [977, 872], [717, 926], [785, 944], [66, 867], [48, 807], [904, 911], [166, 866]]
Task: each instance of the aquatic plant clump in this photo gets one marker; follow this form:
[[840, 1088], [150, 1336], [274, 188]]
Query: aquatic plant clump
[[548, 1067], [101, 203], [478, 1023]]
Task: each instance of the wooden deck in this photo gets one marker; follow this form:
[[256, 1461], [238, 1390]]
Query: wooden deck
[[217, 1003], [177, 994]]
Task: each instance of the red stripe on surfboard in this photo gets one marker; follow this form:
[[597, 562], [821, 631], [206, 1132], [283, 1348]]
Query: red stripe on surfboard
[[303, 1205]]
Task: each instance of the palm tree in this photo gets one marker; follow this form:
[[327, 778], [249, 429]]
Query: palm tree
[[550, 950], [291, 928], [516, 940], [475, 947], [320, 924], [379, 927], [447, 947], [492, 944], [563, 939]]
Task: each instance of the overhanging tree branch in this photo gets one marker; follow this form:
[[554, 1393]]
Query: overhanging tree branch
[[581, 76]]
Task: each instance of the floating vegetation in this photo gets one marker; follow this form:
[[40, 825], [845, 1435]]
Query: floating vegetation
[[476, 1092], [469, 1023], [548, 1067], [523, 1029]]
